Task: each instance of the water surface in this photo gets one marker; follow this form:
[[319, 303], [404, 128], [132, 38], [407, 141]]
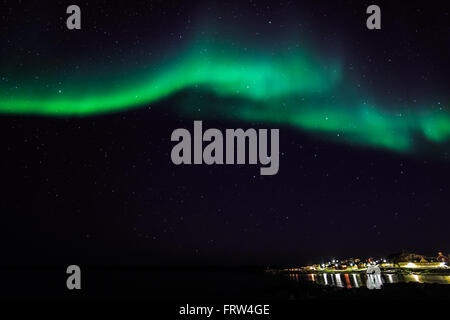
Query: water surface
[[357, 280]]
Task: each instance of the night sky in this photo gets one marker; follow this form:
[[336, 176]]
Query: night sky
[[86, 118]]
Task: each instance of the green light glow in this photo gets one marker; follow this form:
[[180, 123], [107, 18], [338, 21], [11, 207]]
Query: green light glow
[[284, 88]]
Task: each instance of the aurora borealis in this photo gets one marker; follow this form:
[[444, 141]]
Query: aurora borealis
[[226, 74], [278, 86], [87, 117]]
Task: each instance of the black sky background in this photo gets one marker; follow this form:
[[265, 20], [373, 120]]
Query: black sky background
[[103, 189]]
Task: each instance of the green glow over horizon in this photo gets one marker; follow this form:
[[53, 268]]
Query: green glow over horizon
[[284, 88]]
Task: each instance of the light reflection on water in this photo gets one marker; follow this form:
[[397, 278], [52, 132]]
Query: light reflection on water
[[356, 280]]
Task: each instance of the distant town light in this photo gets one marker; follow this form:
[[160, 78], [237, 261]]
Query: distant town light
[[411, 265]]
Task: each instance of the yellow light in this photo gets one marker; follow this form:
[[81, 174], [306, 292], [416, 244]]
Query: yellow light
[[410, 265]]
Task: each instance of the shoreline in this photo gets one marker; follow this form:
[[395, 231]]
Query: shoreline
[[436, 271]]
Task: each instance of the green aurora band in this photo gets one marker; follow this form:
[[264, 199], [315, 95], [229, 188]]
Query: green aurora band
[[284, 88]]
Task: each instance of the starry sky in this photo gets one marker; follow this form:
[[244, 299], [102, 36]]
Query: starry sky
[[86, 118]]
